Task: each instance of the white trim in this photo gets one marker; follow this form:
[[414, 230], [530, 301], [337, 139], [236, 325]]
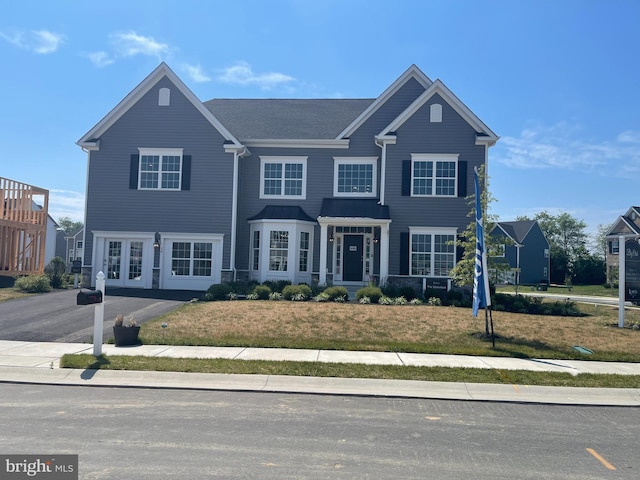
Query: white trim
[[163, 70], [412, 72], [439, 88], [337, 161], [160, 152], [451, 231], [436, 157], [297, 143], [284, 160], [190, 282]]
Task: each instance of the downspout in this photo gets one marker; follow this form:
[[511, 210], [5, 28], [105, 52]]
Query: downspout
[[237, 153], [383, 164]]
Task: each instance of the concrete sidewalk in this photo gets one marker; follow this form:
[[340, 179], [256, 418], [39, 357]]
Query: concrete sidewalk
[[37, 362]]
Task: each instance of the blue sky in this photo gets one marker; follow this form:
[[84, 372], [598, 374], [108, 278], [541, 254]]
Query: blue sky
[[556, 80]]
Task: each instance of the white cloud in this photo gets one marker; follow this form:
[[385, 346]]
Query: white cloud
[[560, 147], [66, 203], [196, 73], [41, 42], [101, 59], [130, 44], [242, 74]]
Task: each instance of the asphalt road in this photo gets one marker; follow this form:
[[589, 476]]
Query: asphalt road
[[55, 317], [144, 434]]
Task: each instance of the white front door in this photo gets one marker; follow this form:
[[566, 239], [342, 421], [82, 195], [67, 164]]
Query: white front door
[[125, 261]]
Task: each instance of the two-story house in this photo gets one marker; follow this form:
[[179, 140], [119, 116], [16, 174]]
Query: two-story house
[[526, 252], [627, 226], [182, 194]]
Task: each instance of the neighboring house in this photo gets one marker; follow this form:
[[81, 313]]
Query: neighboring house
[[74, 245], [627, 225], [24, 227], [182, 194], [526, 252]]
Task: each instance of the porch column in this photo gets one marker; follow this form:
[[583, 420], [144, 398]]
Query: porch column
[[384, 253], [323, 254]]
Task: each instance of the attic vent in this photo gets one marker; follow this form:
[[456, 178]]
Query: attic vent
[[164, 97], [436, 113]]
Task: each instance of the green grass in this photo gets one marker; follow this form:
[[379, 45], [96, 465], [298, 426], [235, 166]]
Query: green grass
[[344, 370], [588, 290]]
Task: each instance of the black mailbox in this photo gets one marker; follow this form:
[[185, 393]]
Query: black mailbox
[[89, 297]]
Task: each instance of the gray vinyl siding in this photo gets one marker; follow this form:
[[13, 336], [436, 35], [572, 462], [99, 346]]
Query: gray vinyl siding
[[418, 135], [205, 208], [532, 260], [320, 168]]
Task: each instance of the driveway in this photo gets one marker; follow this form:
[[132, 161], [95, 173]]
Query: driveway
[[55, 317]]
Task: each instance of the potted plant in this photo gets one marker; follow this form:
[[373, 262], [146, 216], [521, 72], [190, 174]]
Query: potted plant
[[125, 334]]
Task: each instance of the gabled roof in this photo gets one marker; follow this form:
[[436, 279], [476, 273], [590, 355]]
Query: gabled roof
[[313, 119], [412, 72], [282, 212], [626, 223], [163, 70], [517, 230], [441, 89], [354, 208]]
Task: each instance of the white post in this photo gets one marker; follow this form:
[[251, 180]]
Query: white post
[[322, 280], [622, 287], [98, 318]]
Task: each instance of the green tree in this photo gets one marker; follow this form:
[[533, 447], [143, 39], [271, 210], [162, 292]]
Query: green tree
[[68, 225], [462, 273]]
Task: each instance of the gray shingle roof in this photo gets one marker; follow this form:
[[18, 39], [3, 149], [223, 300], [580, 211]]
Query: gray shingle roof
[[305, 119], [282, 212], [517, 230], [354, 208]]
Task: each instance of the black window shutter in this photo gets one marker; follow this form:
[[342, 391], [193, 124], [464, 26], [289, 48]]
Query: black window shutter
[[462, 179], [133, 171], [186, 172], [406, 178], [404, 253]]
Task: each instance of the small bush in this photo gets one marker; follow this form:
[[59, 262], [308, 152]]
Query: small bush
[[296, 292], [407, 292], [364, 300], [262, 292], [400, 300], [373, 293], [384, 300], [277, 285], [321, 297], [218, 291], [275, 296], [34, 284], [56, 270], [336, 292], [435, 301], [243, 288]]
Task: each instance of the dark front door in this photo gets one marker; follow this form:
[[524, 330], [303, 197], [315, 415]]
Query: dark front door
[[353, 257]]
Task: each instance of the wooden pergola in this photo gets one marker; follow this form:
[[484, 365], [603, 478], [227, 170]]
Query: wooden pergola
[[23, 228]]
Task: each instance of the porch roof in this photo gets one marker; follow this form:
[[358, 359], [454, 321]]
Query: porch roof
[[282, 212], [354, 208]]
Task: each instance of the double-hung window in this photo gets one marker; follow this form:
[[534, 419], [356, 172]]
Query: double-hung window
[[283, 177], [434, 175], [160, 169], [354, 176], [432, 251]]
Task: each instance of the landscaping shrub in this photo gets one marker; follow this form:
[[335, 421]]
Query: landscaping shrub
[[297, 293], [534, 306], [408, 292], [373, 293], [34, 284], [277, 285], [335, 293], [262, 291], [243, 287], [56, 271], [217, 291]]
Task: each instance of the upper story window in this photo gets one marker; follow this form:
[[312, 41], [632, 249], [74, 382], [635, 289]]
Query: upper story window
[[160, 169], [498, 250], [434, 175], [614, 246], [79, 244], [283, 177], [355, 176]]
